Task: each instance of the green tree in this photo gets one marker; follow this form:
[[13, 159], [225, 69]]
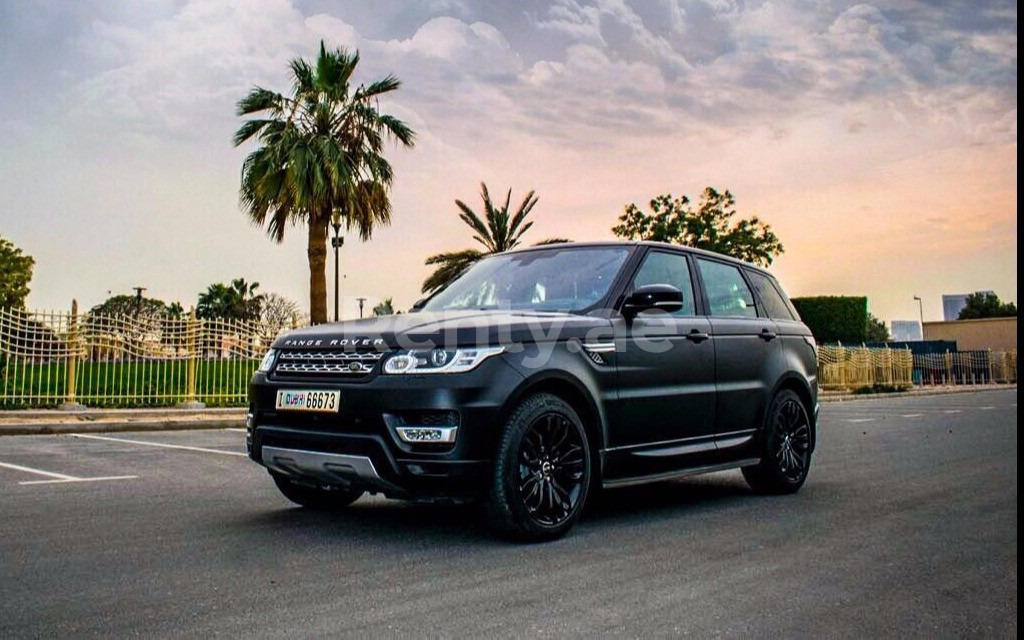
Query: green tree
[[876, 331], [319, 155], [986, 305], [235, 301], [134, 306], [15, 274], [385, 308], [497, 230], [710, 226]]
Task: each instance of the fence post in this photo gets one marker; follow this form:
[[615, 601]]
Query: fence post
[[71, 371], [192, 363]]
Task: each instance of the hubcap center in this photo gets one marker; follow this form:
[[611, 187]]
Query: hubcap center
[[546, 467]]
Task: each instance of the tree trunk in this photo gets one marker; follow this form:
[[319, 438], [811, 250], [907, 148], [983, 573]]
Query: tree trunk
[[316, 252]]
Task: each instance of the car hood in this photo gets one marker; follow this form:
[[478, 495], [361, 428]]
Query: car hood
[[449, 329]]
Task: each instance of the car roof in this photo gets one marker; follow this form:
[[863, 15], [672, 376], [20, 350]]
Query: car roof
[[644, 243]]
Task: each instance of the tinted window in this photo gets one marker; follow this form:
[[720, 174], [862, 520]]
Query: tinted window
[[566, 278], [771, 299], [728, 293], [668, 268]]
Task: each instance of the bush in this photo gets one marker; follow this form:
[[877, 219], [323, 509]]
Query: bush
[[835, 318], [882, 388]]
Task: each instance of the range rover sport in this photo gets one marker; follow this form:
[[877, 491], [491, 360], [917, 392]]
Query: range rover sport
[[539, 375]]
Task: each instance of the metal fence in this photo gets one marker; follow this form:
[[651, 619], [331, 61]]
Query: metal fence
[[49, 359], [841, 367]]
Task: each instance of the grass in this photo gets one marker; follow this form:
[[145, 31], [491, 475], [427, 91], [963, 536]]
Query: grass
[[126, 384]]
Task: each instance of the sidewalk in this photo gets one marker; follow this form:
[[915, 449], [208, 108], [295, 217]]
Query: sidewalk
[[44, 421], [47, 421], [845, 396]]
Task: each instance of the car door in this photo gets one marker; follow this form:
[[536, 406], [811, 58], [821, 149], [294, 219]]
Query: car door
[[744, 343], [665, 411]]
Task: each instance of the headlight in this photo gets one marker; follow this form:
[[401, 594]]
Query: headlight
[[267, 361], [439, 360]]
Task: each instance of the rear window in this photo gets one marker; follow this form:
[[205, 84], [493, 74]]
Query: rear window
[[772, 300], [727, 292]]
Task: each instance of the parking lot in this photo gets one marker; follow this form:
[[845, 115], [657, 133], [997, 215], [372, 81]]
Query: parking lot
[[907, 525]]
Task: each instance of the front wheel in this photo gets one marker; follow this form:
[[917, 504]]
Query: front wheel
[[319, 498], [786, 444], [541, 471]]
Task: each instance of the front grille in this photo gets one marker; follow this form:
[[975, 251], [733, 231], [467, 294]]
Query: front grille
[[327, 363]]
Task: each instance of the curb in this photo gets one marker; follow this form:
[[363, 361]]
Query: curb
[[928, 391], [56, 428]]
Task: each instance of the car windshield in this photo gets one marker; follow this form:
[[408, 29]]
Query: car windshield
[[562, 278]]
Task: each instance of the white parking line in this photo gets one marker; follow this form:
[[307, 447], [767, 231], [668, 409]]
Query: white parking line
[[100, 479], [856, 420], [240, 430], [18, 467], [912, 415], [57, 478], [160, 444], [986, 408], [951, 411]]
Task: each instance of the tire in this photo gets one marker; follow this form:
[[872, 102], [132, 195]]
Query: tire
[[787, 441], [542, 471], [319, 498]]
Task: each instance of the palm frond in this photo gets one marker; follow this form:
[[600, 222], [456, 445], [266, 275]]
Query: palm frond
[[451, 265]]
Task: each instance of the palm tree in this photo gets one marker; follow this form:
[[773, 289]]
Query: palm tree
[[319, 157], [497, 231], [237, 301], [386, 307]]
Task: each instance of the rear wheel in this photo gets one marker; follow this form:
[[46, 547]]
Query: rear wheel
[[786, 445], [541, 471], [323, 498]]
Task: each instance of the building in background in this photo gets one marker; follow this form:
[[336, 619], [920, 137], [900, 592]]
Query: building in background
[[954, 303], [998, 334], [906, 330]]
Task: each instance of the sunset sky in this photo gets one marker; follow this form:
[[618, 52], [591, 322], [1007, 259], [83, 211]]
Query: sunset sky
[[879, 139]]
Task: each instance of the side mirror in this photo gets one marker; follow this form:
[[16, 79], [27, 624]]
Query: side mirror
[[419, 304], [663, 297]]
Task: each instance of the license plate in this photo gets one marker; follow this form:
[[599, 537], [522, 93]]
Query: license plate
[[308, 400]]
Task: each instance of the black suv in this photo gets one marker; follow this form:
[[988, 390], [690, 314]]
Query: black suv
[[537, 376]]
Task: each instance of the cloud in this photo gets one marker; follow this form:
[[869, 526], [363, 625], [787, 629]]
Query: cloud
[[594, 102], [639, 66]]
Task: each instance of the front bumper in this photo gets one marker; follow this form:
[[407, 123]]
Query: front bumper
[[360, 447]]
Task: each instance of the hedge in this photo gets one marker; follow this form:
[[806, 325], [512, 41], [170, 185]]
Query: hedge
[[835, 318]]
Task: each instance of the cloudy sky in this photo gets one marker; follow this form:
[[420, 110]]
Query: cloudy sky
[[878, 139]]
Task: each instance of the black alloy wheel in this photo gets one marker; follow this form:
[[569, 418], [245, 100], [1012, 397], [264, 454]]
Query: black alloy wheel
[[542, 471], [551, 469], [787, 443], [792, 440]]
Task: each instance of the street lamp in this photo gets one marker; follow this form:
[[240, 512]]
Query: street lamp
[[361, 301], [920, 310], [337, 241]]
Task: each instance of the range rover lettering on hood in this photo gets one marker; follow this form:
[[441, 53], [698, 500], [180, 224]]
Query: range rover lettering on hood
[[336, 342]]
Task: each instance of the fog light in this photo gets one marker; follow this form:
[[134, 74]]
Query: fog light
[[426, 435]]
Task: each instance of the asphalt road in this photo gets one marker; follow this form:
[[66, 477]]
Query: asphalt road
[[907, 526]]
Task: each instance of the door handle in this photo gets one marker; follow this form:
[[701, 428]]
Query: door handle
[[697, 336], [767, 335]]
